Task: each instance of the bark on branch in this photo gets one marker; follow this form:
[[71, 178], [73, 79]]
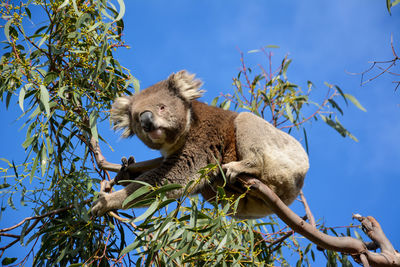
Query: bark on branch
[[356, 248], [134, 168]]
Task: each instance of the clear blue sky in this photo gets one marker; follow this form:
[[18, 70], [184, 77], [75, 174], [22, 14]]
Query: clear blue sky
[[325, 39]]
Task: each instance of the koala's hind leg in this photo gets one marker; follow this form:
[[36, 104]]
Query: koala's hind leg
[[251, 165], [250, 146]]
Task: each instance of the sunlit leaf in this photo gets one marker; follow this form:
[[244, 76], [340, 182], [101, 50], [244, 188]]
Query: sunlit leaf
[[93, 124], [355, 102], [153, 207], [45, 98], [7, 29], [22, 93], [121, 10], [138, 193], [64, 4]]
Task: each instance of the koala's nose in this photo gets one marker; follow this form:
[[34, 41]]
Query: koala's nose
[[146, 121]]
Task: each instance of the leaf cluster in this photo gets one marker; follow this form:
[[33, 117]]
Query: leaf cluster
[[63, 74], [189, 232], [269, 94]]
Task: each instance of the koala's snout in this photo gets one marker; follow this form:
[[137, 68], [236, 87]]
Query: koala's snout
[[146, 121]]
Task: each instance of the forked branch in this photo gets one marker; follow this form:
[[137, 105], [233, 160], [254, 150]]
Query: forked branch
[[354, 247]]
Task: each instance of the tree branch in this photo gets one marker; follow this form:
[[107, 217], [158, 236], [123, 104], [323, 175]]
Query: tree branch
[[308, 210], [101, 161], [356, 248]]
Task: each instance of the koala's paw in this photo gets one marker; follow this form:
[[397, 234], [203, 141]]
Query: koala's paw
[[232, 170], [124, 174], [100, 206]]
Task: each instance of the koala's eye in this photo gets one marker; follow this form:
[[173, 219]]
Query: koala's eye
[[161, 107]]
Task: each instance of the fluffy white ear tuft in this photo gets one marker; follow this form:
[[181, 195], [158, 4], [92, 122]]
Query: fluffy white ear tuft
[[186, 85], [121, 117]]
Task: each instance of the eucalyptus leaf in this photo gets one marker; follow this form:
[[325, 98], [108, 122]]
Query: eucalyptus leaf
[[45, 99]]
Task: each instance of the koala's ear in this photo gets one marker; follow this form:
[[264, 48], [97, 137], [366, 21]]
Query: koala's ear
[[186, 85], [121, 117]]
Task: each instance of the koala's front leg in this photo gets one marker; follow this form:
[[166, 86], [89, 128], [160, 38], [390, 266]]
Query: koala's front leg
[[107, 201], [124, 173]]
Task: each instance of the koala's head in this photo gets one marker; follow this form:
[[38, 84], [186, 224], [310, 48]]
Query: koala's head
[[160, 114]]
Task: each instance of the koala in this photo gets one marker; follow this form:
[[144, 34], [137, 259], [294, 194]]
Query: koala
[[191, 134]]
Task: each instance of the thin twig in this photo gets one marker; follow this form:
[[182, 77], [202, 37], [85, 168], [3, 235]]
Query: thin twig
[[307, 209]]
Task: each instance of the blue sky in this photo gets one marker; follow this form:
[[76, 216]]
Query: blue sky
[[325, 39]]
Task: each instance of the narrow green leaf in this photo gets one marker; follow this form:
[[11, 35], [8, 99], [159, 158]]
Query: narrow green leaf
[[45, 98], [23, 232], [8, 261], [43, 159], [50, 76], [138, 193], [77, 12], [64, 4], [2, 186], [10, 202], [15, 169], [335, 105], [93, 124], [225, 239], [254, 51], [40, 30], [8, 98], [165, 188], [358, 236], [121, 10], [226, 104], [44, 39], [285, 67], [97, 24], [28, 12], [6, 161], [388, 6], [35, 163], [340, 92], [305, 139], [355, 102], [214, 102], [308, 248], [289, 112], [7, 30], [22, 93], [28, 141], [153, 207]]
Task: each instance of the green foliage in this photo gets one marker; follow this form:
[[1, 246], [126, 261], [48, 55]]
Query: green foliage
[[390, 4], [269, 94], [189, 232], [64, 76]]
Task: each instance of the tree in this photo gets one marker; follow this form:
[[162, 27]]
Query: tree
[[65, 77]]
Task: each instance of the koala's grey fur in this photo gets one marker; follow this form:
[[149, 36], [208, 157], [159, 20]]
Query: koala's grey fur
[[191, 135]]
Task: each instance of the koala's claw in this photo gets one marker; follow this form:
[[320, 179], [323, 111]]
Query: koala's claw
[[123, 173], [231, 171], [99, 207], [124, 162]]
